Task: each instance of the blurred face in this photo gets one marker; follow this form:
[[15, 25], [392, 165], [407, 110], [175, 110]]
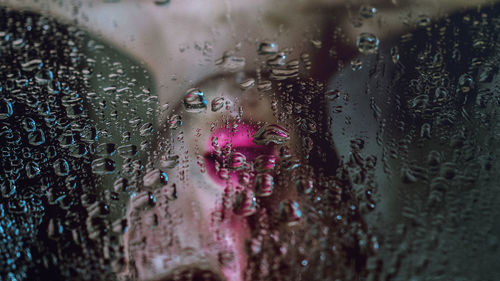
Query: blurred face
[[226, 90], [223, 123], [227, 161], [252, 169]]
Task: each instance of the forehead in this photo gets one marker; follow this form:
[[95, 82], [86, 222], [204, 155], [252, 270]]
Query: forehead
[[179, 42]]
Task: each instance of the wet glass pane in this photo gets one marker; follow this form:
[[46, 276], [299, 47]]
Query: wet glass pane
[[324, 140]]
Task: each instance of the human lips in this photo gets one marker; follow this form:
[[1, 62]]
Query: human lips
[[230, 153]]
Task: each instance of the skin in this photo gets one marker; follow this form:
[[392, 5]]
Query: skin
[[156, 40], [200, 195]]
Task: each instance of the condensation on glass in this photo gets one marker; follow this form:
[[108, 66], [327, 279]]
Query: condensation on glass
[[359, 157]]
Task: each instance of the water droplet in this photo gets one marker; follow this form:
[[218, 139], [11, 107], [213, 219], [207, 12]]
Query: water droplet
[[264, 163], [247, 84], [425, 131], [264, 85], [271, 134], [8, 189], [283, 74], [121, 184], [448, 170], [486, 73], [105, 149], [408, 175], [194, 101], [438, 187], [395, 54], [61, 167], [79, 150], [103, 166], [51, 152], [441, 94], [44, 76], [419, 102], [264, 185], [237, 161], [155, 178], [54, 87], [278, 60], [367, 43], [67, 139], [317, 43], [285, 152], [434, 158], [245, 203], [54, 229], [32, 169], [32, 65], [29, 124], [169, 162], [44, 109], [231, 63], [465, 86], [289, 212], [170, 191], [217, 103], [88, 134], [5, 109], [304, 185], [134, 121], [37, 137], [142, 201], [127, 150], [146, 130], [309, 126], [332, 94], [244, 178], [423, 21], [290, 163], [161, 2], [267, 47], [175, 122], [356, 64], [367, 11], [223, 173], [305, 57]]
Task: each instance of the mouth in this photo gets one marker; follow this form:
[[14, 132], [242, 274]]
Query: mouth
[[231, 153], [187, 273], [185, 266]]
